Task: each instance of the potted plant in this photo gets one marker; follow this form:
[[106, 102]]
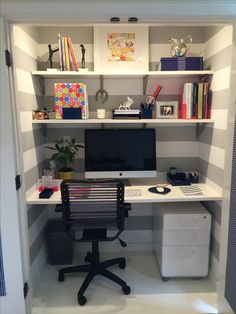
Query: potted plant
[[65, 154]]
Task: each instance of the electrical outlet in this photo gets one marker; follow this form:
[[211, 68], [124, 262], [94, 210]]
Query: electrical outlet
[[66, 138]]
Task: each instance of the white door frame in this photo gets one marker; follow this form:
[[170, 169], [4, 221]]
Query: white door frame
[[223, 305], [11, 219]]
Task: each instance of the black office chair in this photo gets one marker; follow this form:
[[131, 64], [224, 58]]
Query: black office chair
[[92, 207]]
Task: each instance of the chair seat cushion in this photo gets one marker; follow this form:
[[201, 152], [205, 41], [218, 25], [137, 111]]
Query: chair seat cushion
[[94, 234]]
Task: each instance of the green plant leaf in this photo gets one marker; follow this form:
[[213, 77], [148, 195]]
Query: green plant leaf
[[66, 151], [53, 148]]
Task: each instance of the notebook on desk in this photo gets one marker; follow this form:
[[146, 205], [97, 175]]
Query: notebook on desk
[[191, 190], [133, 192]]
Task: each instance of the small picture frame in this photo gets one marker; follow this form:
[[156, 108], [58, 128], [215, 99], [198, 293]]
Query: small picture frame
[[167, 109]]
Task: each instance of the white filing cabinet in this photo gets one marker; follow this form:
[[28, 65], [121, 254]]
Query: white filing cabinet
[[182, 239]]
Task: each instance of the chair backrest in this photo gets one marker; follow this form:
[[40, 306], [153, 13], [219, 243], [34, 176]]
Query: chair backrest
[[93, 203]]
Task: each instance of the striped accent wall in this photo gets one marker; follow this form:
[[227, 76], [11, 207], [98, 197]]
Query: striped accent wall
[[28, 97], [218, 57], [175, 146]]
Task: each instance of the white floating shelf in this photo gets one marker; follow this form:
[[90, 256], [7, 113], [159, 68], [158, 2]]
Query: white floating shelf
[[125, 121], [93, 74]]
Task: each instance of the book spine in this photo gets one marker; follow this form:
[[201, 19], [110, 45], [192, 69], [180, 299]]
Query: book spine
[[86, 109], [205, 93], [193, 100], [200, 101], [63, 55], [60, 50], [209, 100], [194, 114], [183, 103], [190, 97], [75, 66], [67, 59]]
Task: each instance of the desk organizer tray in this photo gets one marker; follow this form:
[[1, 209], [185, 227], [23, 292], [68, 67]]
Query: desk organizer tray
[[180, 178], [126, 114]]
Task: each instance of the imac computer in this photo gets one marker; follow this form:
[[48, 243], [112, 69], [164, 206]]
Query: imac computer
[[120, 153]]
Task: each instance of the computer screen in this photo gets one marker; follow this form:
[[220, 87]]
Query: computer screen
[[115, 153]]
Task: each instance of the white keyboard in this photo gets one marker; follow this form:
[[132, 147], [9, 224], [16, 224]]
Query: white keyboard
[[133, 192]]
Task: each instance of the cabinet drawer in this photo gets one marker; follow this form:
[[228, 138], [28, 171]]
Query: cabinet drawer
[[187, 221], [185, 237], [184, 261]]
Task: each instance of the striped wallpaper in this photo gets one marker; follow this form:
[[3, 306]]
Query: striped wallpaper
[[176, 146], [218, 56], [29, 97]]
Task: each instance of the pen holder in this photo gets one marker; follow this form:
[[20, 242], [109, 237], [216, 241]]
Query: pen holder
[[147, 113]]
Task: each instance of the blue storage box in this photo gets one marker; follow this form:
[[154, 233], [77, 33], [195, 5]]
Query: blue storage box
[[71, 113], [182, 64]]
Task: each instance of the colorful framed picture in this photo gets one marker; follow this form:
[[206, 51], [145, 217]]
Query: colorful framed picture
[[167, 109], [121, 48]]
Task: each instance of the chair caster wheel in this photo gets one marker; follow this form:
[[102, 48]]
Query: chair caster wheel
[[122, 265], [165, 279], [82, 300], [126, 290], [61, 277], [88, 257]]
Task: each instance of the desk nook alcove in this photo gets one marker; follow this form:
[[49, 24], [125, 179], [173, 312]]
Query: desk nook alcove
[[154, 219]]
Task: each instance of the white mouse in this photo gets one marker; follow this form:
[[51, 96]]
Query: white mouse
[[160, 189]]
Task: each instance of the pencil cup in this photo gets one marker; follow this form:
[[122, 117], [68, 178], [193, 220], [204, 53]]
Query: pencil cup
[[147, 113]]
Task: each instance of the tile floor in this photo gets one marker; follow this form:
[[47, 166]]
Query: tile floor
[[149, 294]]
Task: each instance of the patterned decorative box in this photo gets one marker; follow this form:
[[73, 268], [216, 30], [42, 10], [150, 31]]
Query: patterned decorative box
[[70, 95]]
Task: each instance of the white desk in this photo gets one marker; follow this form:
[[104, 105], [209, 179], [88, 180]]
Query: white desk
[[176, 195]]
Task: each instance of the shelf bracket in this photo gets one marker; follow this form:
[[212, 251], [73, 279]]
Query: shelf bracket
[[145, 81], [39, 82], [101, 79], [199, 128], [44, 129]]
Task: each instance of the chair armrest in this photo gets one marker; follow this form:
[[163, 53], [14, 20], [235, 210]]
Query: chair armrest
[[127, 209]]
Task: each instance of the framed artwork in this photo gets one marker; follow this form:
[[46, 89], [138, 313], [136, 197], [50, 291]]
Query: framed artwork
[[121, 49], [167, 109]]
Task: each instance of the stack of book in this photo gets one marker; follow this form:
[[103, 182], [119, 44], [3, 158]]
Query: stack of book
[[196, 101], [127, 114], [67, 55]]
